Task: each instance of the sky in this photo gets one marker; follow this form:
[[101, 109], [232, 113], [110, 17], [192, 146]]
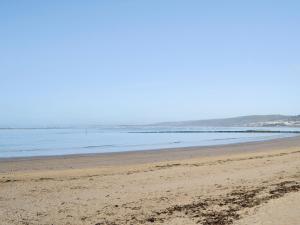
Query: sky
[[135, 62]]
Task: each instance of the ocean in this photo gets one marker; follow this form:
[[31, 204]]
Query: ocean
[[64, 141]]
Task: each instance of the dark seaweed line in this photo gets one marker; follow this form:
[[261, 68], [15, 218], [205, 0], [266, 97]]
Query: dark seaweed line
[[233, 203], [230, 205]]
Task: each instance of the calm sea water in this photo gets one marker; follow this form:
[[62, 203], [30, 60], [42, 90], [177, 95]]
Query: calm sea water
[[46, 142]]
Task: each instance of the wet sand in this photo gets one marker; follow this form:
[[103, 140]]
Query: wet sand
[[249, 183]]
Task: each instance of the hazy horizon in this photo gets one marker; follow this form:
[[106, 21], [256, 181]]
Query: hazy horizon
[[87, 125], [136, 62]]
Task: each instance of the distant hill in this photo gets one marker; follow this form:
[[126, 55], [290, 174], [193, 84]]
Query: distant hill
[[242, 121]]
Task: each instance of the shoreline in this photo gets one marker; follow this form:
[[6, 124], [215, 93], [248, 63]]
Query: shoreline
[[61, 150], [90, 160], [137, 151]]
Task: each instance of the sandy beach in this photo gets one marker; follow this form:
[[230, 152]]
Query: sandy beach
[[248, 183]]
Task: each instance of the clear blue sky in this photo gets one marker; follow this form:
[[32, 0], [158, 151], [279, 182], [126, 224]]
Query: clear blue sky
[[123, 61]]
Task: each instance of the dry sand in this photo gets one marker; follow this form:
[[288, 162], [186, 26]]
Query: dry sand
[[251, 183]]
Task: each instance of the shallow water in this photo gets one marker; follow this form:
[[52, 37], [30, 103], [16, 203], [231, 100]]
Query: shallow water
[[46, 142]]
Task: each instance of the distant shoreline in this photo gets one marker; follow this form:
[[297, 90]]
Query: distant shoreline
[[258, 130], [217, 131]]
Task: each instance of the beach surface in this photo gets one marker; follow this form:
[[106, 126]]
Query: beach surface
[[247, 183]]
